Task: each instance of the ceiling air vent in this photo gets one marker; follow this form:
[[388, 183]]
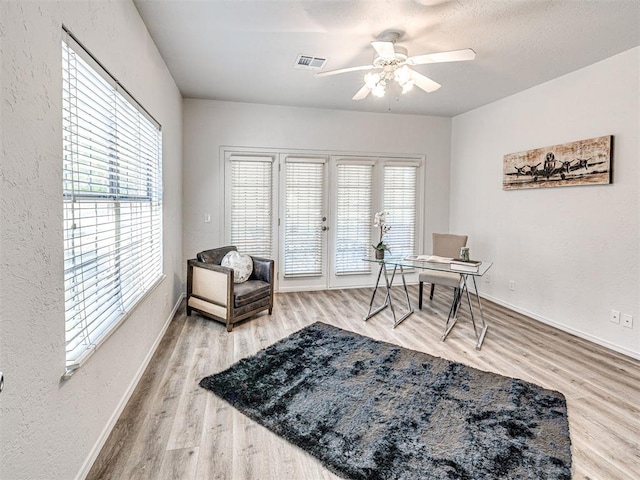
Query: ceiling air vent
[[310, 63]]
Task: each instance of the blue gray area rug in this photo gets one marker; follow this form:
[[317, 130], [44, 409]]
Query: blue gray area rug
[[372, 410]]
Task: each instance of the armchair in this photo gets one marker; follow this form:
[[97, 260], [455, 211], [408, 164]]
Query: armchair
[[212, 292], [444, 245]]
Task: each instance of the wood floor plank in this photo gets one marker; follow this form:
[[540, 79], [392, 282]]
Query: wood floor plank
[[187, 425], [146, 456], [172, 428], [214, 457], [178, 463]]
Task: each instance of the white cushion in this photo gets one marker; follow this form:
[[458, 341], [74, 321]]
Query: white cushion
[[210, 285], [447, 279], [241, 263], [208, 307]]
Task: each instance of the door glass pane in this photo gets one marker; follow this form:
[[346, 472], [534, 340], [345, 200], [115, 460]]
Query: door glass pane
[[400, 203], [353, 218], [304, 211], [251, 205]]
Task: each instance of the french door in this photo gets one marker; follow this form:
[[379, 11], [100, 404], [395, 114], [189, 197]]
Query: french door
[[353, 208], [303, 222], [313, 213]]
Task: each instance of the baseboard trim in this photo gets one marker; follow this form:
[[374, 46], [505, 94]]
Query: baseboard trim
[[95, 451], [535, 316], [564, 328]]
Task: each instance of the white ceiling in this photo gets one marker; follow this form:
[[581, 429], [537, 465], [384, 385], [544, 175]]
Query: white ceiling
[[245, 51]]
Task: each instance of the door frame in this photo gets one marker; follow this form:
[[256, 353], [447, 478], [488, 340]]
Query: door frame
[[302, 282], [358, 280]]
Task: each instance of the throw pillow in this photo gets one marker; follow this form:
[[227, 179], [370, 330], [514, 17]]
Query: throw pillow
[[241, 263]]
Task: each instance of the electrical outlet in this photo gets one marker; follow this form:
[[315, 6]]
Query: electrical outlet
[[627, 320], [512, 285], [487, 279], [207, 218], [615, 316]]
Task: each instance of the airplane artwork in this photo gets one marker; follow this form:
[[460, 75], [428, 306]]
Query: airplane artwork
[[585, 162]]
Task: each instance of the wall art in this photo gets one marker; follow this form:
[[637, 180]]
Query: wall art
[[585, 162]]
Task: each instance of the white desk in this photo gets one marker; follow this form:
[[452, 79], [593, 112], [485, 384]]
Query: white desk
[[402, 263]]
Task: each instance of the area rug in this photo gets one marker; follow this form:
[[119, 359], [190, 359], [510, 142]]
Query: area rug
[[372, 410]]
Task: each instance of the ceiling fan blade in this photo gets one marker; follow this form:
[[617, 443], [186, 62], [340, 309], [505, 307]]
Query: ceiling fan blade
[[453, 56], [362, 93], [424, 83], [384, 49], [345, 70]]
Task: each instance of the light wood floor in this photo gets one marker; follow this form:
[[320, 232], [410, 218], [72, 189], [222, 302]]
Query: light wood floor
[[173, 429]]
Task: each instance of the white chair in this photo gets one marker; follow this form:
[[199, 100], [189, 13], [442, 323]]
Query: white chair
[[444, 245]]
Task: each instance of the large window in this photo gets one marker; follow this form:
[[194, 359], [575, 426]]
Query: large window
[[112, 190]]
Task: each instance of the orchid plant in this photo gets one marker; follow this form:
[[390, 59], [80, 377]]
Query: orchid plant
[[380, 221]]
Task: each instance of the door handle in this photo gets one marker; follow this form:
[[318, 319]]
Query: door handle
[[324, 227]]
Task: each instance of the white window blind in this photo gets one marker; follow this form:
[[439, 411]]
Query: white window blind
[[399, 200], [251, 205], [353, 218], [112, 194], [304, 205]]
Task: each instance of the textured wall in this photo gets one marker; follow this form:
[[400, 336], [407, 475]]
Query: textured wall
[[210, 124], [49, 429], [574, 251]]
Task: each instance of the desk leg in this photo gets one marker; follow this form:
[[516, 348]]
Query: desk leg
[[388, 301], [485, 327], [373, 296], [453, 311], [406, 295]]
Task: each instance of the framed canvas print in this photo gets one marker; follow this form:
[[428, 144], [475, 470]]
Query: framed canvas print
[[585, 162]]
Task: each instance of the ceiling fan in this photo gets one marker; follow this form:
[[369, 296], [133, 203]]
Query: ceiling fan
[[392, 62]]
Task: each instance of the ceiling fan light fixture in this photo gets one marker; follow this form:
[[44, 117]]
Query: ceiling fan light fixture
[[407, 86], [371, 80], [378, 90], [392, 62], [402, 75]]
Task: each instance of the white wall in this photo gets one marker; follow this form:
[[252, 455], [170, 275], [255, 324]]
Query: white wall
[[210, 124], [574, 251], [49, 428]]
